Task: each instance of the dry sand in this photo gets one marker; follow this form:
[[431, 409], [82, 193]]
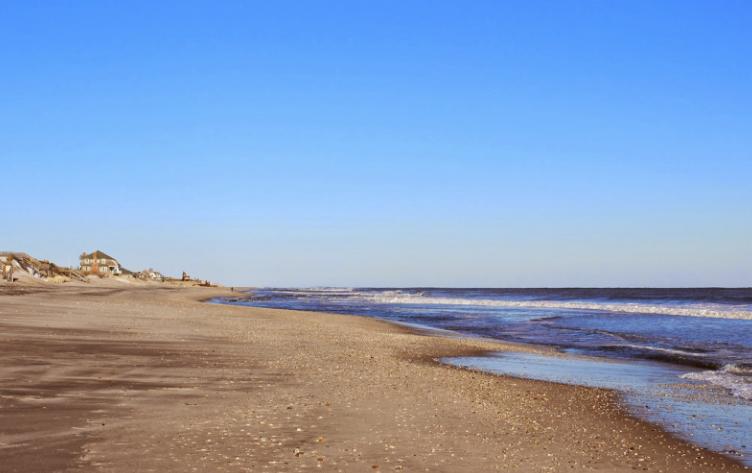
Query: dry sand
[[151, 379]]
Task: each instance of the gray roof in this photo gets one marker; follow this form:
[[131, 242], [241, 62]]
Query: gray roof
[[97, 255]]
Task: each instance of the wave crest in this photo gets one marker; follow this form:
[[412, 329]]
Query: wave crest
[[695, 310]]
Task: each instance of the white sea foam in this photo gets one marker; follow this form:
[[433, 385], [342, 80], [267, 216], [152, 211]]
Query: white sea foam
[[690, 310], [732, 377], [668, 351]]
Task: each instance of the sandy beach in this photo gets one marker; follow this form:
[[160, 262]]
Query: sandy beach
[[151, 378]]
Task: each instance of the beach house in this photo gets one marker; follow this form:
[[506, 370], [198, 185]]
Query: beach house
[[149, 275], [100, 263]]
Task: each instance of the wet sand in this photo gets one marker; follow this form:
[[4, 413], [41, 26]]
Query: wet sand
[[151, 379]]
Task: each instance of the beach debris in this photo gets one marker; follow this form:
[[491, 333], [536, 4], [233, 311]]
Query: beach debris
[[297, 452], [15, 265]]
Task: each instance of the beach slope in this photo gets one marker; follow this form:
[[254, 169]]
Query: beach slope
[[151, 378]]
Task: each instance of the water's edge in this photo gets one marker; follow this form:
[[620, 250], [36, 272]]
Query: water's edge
[[669, 410], [691, 411]]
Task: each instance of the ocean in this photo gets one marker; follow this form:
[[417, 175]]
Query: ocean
[[685, 352]]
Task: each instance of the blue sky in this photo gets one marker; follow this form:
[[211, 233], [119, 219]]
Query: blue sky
[[383, 143]]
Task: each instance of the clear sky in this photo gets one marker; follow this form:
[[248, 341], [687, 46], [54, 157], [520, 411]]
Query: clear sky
[[389, 143]]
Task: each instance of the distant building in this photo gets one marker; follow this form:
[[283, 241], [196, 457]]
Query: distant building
[[149, 275], [100, 263]]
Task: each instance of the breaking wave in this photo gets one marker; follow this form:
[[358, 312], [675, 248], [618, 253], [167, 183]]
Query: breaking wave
[[736, 378], [687, 310]]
